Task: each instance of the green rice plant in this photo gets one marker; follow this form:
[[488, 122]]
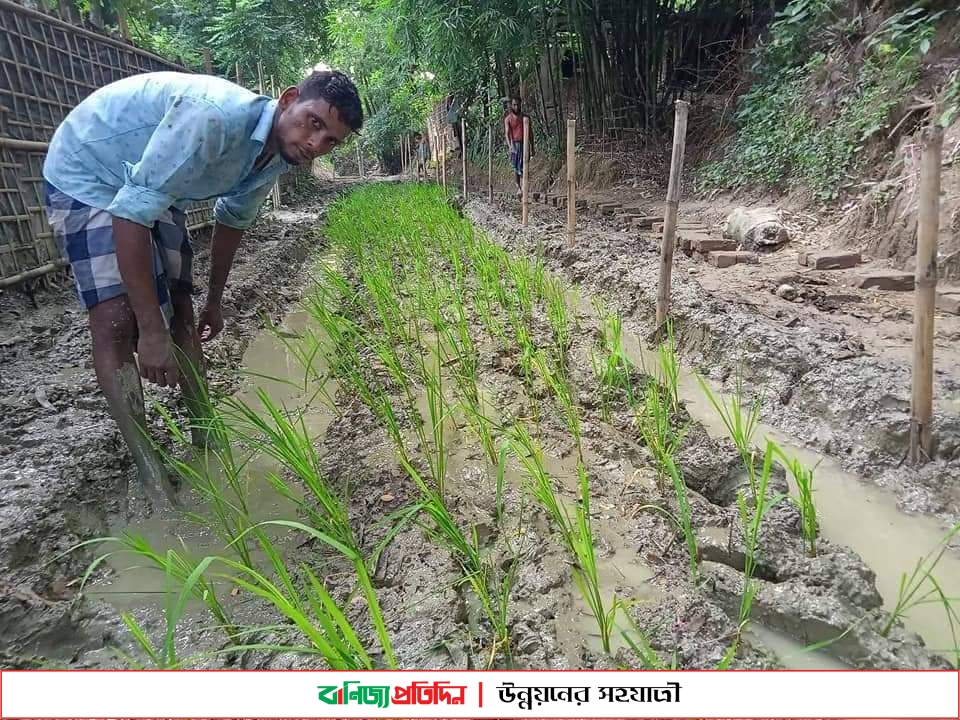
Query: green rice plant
[[656, 429], [752, 513], [921, 587], [612, 368], [165, 656], [740, 425], [575, 532], [670, 368], [554, 379], [559, 316], [290, 444], [803, 477]]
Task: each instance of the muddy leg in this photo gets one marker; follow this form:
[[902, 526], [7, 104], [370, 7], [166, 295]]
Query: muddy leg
[[113, 329], [193, 383]]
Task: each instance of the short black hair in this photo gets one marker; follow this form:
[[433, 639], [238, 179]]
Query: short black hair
[[338, 90]]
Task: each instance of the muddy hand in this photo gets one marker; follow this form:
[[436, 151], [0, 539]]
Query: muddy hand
[[156, 359], [210, 323]]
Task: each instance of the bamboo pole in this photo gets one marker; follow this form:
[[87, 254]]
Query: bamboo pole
[[276, 185], [207, 61], [571, 182], [259, 77], [490, 164], [524, 184], [463, 155], [670, 216], [928, 226], [239, 80], [443, 158], [359, 160]]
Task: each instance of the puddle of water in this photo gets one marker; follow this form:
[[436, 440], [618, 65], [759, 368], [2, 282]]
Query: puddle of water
[[792, 654], [137, 584]]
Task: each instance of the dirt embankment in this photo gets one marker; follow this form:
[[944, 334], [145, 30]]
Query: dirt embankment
[[64, 471], [810, 368]]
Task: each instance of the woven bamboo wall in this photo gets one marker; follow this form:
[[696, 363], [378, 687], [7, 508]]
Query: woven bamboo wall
[[47, 66]]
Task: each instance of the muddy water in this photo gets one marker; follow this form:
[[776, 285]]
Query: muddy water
[[852, 513], [269, 364]]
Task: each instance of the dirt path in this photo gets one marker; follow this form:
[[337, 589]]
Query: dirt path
[[833, 368], [64, 471]]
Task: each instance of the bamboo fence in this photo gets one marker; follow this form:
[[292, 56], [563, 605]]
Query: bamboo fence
[[47, 66]]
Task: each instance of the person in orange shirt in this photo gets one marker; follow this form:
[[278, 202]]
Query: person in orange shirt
[[513, 127]]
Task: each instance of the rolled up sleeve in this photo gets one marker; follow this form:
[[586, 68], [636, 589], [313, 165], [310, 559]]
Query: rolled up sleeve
[[188, 139], [240, 210]]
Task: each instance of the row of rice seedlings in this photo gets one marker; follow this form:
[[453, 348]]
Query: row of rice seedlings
[[436, 305], [558, 314], [576, 532]]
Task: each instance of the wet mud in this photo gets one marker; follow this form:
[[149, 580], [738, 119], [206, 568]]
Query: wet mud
[[831, 599], [65, 473]]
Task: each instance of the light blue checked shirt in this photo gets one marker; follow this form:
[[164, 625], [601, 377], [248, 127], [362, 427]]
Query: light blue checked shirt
[[148, 142]]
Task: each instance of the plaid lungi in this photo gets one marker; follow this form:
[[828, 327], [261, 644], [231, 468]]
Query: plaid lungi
[[85, 236]]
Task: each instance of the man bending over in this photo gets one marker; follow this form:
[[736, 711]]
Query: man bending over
[[119, 172]]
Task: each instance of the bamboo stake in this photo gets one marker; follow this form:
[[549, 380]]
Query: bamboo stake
[[571, 182], [490, 164], [259, 77], [239, 82], [672, 205], [443, 157], [359, 160], [207, 61], [463, 155], [523, 178], [928, 225], [276, 185]]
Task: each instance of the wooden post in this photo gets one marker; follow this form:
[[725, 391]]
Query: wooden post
[[276, 185], [359, 160], [490, 164], [207, 61], [463, 155], [670, 216], [928, 225], [571, 182], [259, 77], [524, 184], [443, 157], [239, 81]]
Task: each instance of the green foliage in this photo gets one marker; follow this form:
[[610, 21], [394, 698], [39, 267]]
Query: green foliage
[[799, 126]]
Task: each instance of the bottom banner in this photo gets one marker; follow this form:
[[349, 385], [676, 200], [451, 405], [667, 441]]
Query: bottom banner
[[478, 694]]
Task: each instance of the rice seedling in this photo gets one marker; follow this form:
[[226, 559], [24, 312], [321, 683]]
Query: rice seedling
[[559, 316], [289, 443], [803, 477], [663, 441], [921, 587], [576, 532], [670, 368], [612, 368], [751, 518], [740, 425]]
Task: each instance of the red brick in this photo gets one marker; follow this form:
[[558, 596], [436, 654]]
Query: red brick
[[705, 245], [727, 258], [833, 260]]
